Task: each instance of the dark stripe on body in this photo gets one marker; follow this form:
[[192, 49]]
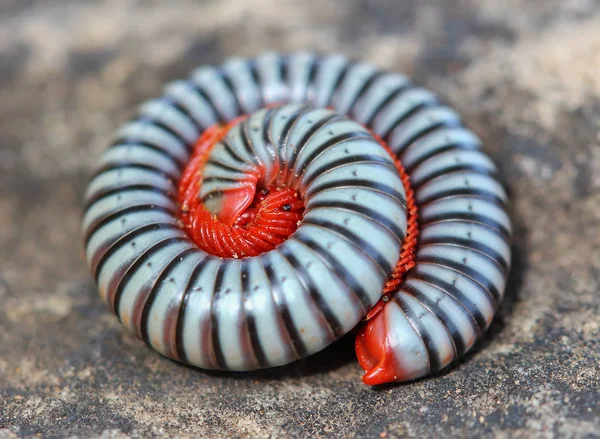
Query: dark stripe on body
[[441, 173], [134, 142], [470, 244], [350, 160], [386, 100], [420, 328], [114, 214], [151, 120], [451, 290], [146, 303], [128, 269], [445, 318], [250, 318], [340, 270], [296, 343], [357, 182], [365, 212], [333, 324], [361, 245], [465, 217], [462, 268], [125, 239], [194, 276], [332, 142], [214, 318]]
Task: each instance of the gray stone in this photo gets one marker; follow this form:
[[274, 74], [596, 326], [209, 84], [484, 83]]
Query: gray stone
[[526, 77]]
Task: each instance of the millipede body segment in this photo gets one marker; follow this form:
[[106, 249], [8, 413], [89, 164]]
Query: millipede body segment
[[257, 212]]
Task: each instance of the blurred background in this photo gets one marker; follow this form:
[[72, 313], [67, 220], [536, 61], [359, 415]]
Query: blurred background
[[524, 74]]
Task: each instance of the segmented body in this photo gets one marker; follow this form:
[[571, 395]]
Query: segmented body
[[279, 306]]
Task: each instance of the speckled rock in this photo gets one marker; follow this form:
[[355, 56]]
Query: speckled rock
[[525, 75]]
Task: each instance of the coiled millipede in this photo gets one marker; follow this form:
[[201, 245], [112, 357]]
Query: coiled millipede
[[260, 210]]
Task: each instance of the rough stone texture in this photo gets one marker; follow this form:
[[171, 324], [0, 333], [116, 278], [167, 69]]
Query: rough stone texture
[[526, 76]]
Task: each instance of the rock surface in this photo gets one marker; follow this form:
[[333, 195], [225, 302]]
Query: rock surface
[[526, 77]]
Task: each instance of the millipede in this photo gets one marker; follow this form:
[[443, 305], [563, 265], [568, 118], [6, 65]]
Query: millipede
[[260, 210]]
